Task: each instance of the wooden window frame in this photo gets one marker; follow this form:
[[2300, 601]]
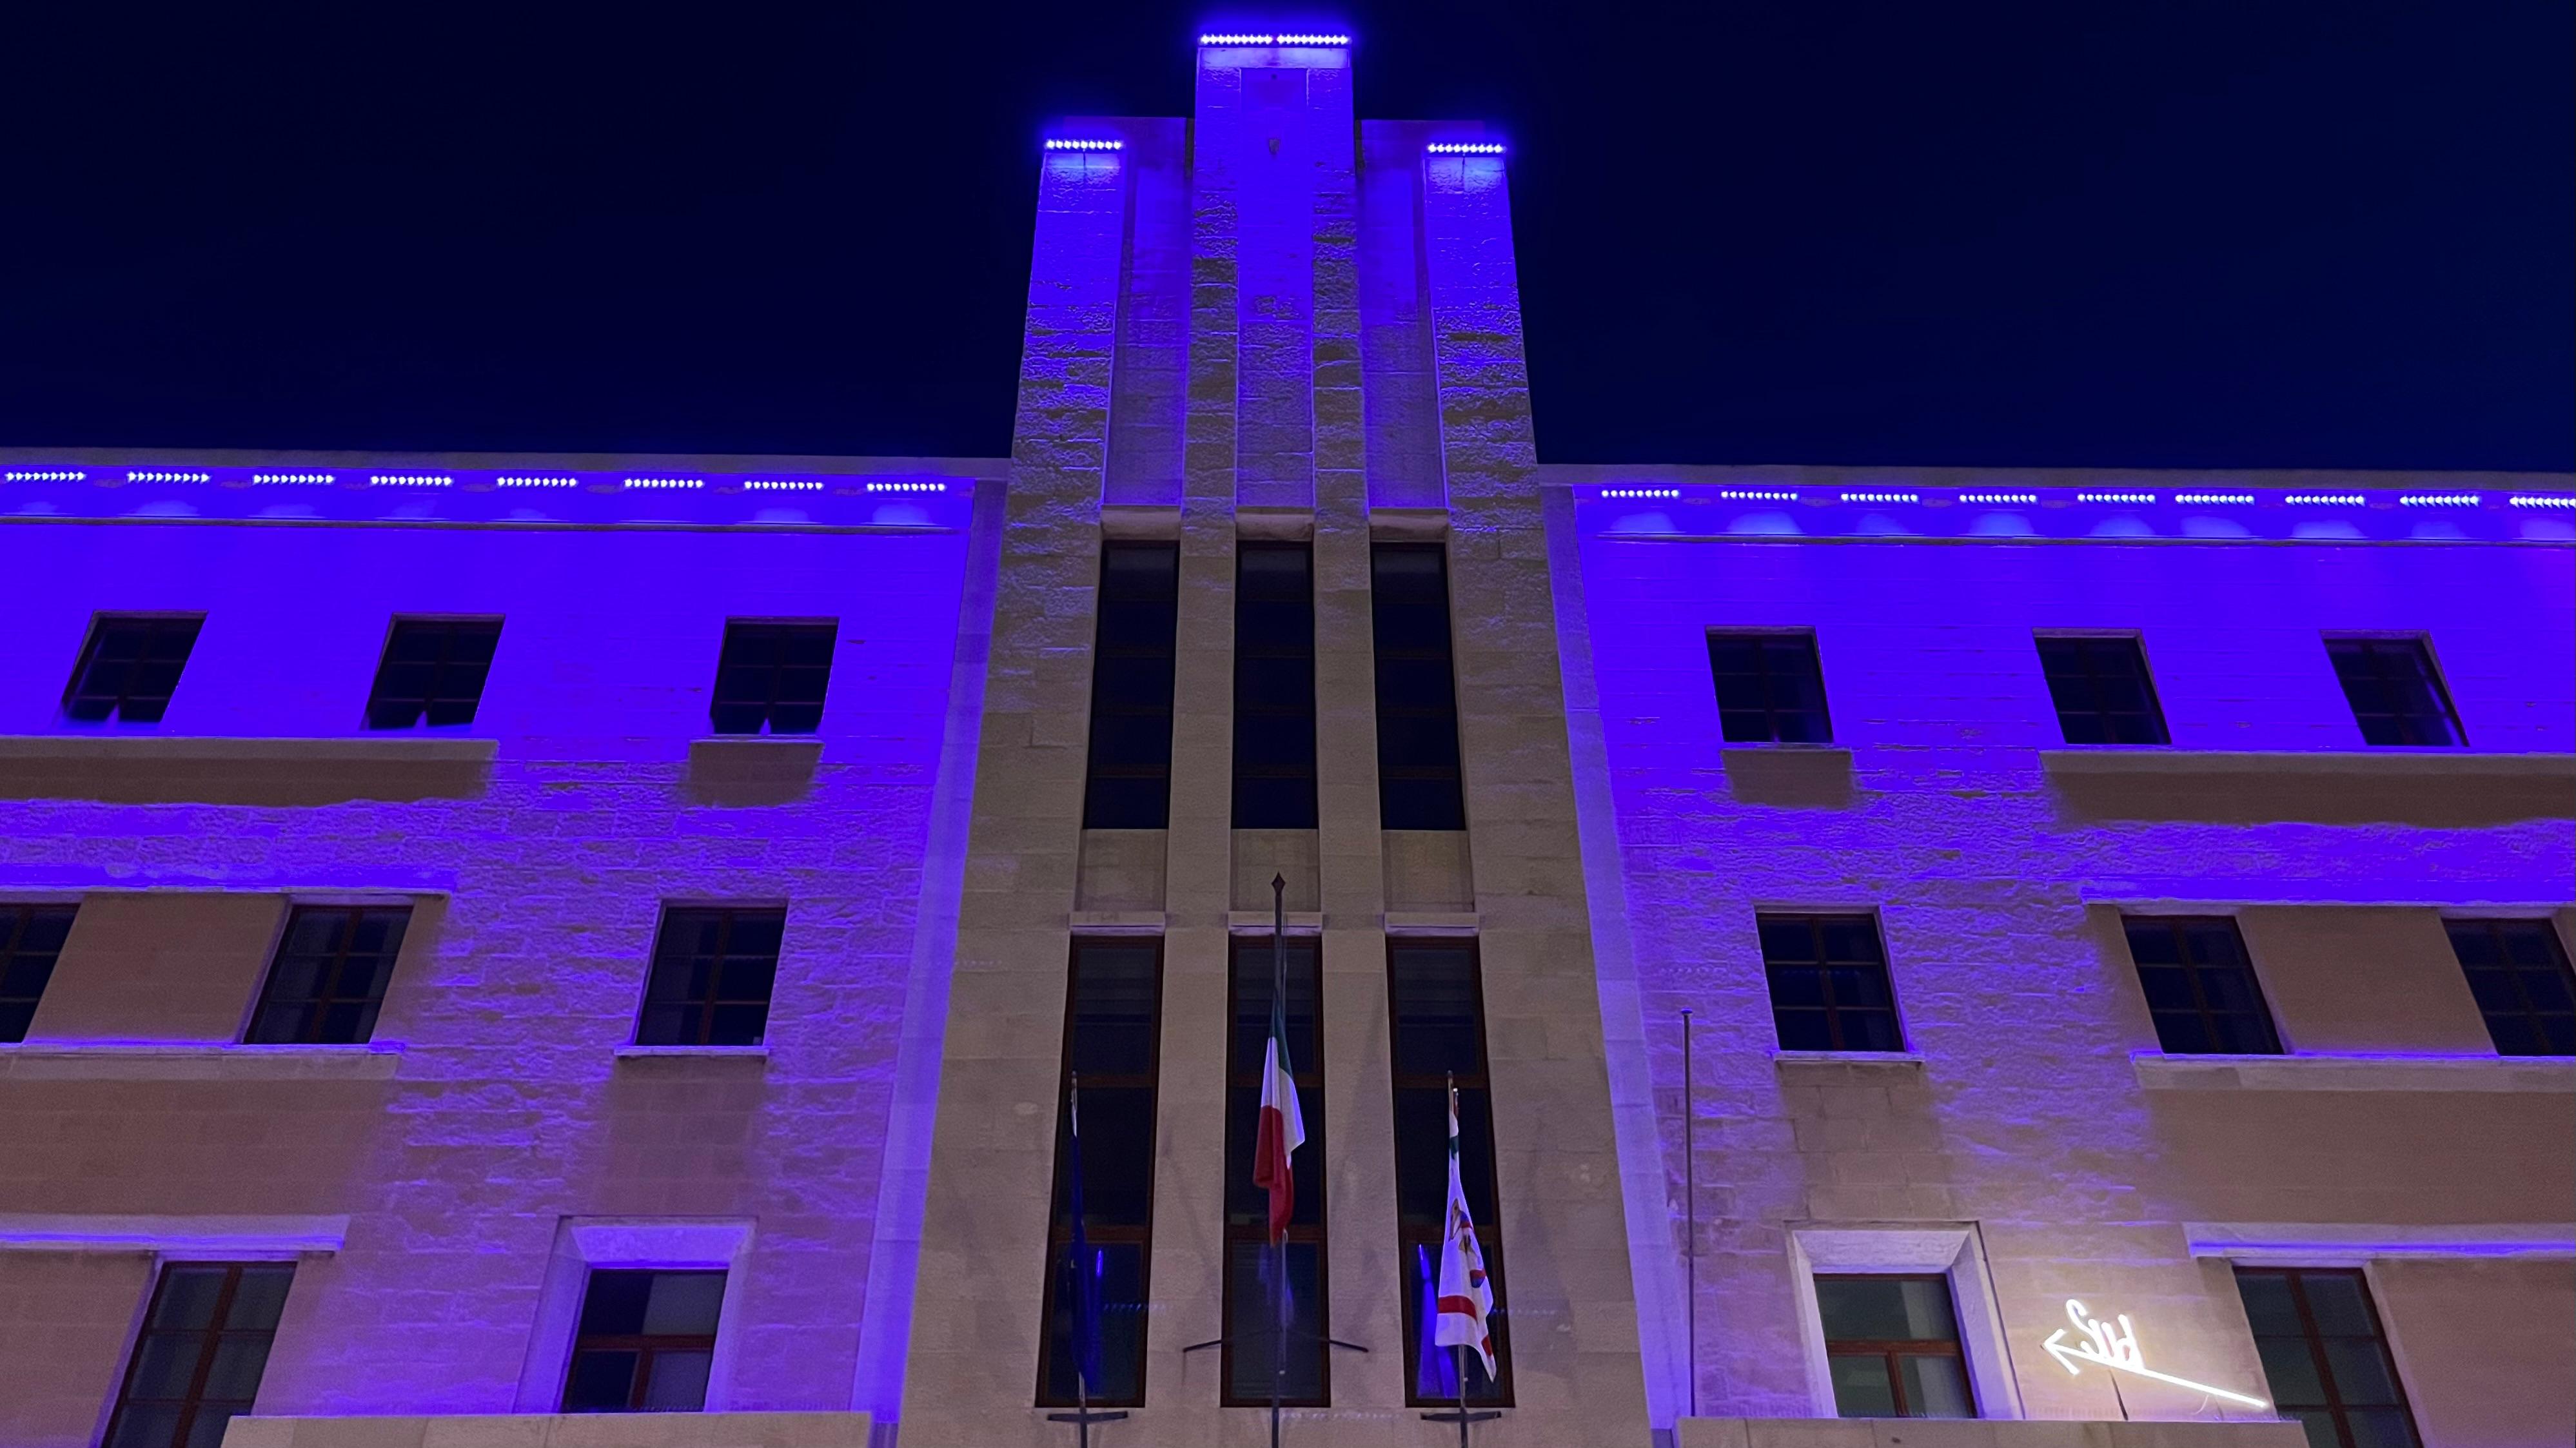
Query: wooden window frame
[[2418, 647], [1309, 1076], [1888, 1350], [2525, 1009], [1815, 921], [2134, 652], [1060, 1232], [748, 630], [1489, 1235], [155, 625], [647, 1346], [215, 1334], [2315, 1340], [703, 1008], [317, 1006], [2201, 1010], [1771, 707], [442, 670]]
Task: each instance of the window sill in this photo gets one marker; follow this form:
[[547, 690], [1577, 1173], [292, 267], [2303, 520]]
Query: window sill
[[751, 770], [693, 1053], [2384, 760], [186, 1061], [121, 746], [2426, 788], [139, 768], [1911, 1061], [2159, 1072]]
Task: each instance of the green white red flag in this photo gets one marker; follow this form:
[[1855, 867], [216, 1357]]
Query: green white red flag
[[1466, 1294]]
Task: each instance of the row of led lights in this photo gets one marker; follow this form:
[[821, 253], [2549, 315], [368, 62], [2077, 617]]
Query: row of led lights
[[1233, 39], [446, 480], [2338, 500], [1436, 148]]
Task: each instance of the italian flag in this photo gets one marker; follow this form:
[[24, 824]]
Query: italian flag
[[1283, 1128]]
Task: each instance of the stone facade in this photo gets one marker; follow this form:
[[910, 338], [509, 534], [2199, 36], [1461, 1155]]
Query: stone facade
[[1269, 322]]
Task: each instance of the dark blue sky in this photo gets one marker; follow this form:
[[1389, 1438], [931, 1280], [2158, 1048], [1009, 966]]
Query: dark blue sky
[[2189, 232]]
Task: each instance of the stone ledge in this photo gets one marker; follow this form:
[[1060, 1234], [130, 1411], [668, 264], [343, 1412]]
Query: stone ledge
[[753, 1056], [2159, 1072], [557, 1430], [1977, 1433], [188, 1061], [1907, 1062], [2428, 788], [135, 768], [749, 771], [2159, 759], [265, 1238]]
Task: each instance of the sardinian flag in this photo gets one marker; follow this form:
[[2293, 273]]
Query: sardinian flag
[[1283, 1127], [1466, 1294]]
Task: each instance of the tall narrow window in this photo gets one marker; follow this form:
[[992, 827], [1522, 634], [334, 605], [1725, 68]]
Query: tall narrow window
[[130, 668], [2325, 1356], [329, 978], [2519, 974], [1274, 687], [1129, 785], [31, 936], [2102, 691], [2200, 986], [1436, 1015], [646, 1343], [2396, 696], [1112, 1030], [771, 677], [433, 672], [1829, 989], [713, 971], [1892, 1344], [1418, 784], [1253, 1346], [199, 1359], [1770, 688]]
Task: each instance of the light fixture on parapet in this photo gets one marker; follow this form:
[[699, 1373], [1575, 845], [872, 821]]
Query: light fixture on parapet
[[549, 481], [1757, 495], [1084, 143], [2114, 1345], [412, 480], [308, 479], [2440, 500], [2205, 499], [1999, 497], [782, 485], [2534, 500], [1641, 492], [1231, 38], [920, 487], [1464, 148], [665, 483], [48, 475], [2115, 497], [2345, 500], [1882, 497]]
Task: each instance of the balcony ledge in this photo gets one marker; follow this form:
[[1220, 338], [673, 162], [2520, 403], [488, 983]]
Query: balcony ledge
[[2450, 763], [2159, 1072], [123, 747], [195, 1061]]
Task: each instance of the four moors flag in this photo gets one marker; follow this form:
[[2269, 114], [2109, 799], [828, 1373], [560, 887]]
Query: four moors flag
[[1466, 1296], [1283, 1127]]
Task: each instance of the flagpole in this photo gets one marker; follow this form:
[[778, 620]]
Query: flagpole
[[1081, 1280], [1458, 1350], [1081, 1366], [1690, 1208], [1279, 1244]]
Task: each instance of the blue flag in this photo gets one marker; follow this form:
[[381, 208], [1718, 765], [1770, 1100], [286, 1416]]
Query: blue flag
[[1081, 1266], [1434, 1375]]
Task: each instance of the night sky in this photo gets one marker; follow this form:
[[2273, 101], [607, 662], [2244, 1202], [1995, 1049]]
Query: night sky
[[2183, 233]]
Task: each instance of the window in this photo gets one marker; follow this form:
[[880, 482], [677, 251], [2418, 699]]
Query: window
[[1112, 1029], [198, 1361], [1893, 1346], [433, 672], [1829, 989], [329, 978], [2520, 978], [2200, 987], [1274, 687], [2102, 690], [646, 1343], [1251, 1309], [31, 936], [1437, 1022], [129, 668], [771, 678], [2396, 697], [1129, 786], [1418, 786], [713, 972], [2325, 1356], [1770, 688]]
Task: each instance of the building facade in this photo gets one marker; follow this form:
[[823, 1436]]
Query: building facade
[[487, 942]]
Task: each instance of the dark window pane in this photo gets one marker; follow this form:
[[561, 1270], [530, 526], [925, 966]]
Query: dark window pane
[[129, 668], [1113, 1013], [771, 677], [714, 971], [1419, 779], [2519, 974], [2199, 986], [1770, 688], [1436, 1020], [1893, 1344], [2324, 1355], [2102, 692], [433, 672], [1128, 786], [1829, 983], [199, 1359], [1274, 687], [2396, 697], [645, 1341], [328, 980], [31, 937]]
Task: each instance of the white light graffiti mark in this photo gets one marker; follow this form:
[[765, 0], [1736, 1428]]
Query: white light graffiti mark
[[2114, 1345]]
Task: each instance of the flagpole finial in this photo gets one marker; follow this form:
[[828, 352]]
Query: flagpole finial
[[1278, 884]]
